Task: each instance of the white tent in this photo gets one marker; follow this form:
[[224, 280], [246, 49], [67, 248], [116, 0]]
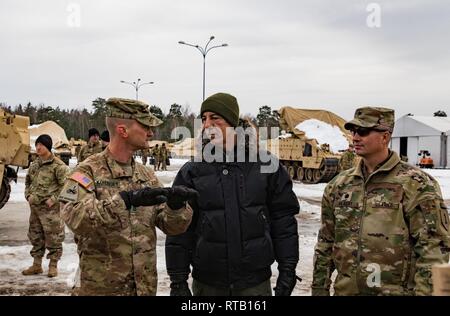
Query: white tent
[[415, 133]]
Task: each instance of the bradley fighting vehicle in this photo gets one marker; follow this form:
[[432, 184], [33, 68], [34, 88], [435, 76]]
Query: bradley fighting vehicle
[[14, 150], [304, 159]]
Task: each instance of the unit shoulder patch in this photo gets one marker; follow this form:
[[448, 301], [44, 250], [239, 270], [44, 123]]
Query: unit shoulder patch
[[69, 193]]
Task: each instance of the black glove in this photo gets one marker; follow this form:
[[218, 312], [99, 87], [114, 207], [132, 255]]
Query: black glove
[[144, 197], [179, 286], [285, 282], [178, 195]]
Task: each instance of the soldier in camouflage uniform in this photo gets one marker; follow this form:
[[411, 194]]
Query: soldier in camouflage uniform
[[163, 156], [384, 222], [144, 155], [347, 159], [155, 154], [114, 205], [104, 138], [43, 183], [93, 146]]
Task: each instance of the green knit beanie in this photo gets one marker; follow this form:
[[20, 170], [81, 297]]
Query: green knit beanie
[[223, 104]]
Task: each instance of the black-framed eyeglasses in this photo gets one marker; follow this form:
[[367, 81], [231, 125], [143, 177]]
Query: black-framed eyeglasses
[[364, 131]]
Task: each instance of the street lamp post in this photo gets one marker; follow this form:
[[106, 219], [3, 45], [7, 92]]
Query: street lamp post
[[136, 85], [204, 51]]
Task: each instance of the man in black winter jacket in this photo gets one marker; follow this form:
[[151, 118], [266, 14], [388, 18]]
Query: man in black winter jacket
[[244, 218]]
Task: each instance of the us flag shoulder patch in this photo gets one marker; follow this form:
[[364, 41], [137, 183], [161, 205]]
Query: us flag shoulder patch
[[84, 181]]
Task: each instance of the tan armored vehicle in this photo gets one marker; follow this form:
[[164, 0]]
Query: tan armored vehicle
[[14, 150], [304, 159]]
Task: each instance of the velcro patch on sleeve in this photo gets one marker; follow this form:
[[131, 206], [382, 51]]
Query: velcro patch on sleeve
[[69, 192], [83, 180]]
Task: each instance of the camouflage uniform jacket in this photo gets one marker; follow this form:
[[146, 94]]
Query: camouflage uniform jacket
[[45, 179], [347, 160], [89, 149], [394, 222], [163, 153], [118, 247], [155, 152]]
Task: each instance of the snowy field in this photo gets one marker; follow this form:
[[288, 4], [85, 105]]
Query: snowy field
[[14, 245]]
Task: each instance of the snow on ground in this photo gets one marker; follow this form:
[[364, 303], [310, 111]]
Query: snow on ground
[[17, 192], [311, 193], [324, 133], [15, 259]]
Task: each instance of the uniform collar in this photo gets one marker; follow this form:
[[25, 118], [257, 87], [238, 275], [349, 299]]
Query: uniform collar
[[48, 161], [388, 165], [116, 169], [92, 144]]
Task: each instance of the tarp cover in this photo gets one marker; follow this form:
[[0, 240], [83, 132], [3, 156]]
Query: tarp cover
[[50, 128], [290, 118]]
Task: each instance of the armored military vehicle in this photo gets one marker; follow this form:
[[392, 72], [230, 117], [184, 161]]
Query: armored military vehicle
[[14, 150], [304, 159]]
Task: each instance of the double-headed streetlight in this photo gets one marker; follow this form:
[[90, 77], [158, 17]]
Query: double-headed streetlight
[[137, 84], [204, 51]]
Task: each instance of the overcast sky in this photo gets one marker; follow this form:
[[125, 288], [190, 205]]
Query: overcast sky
[[308, 54]]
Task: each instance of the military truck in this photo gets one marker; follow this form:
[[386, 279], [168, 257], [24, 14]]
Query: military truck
[[304, 159], [14, 150]]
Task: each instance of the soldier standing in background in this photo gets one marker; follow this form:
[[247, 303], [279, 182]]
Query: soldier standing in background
[[163, 156], [384, 222], [155, 154], [104, 137], [114, 205], [93, 146], [43, 183], [144, 155], [347, 159]]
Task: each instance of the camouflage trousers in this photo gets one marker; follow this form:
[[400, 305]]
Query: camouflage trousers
[[157, 163], [46, 231], [201, 289], [162, 163]]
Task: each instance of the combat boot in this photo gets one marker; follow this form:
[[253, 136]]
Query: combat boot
[[36, 268], [52, 268]]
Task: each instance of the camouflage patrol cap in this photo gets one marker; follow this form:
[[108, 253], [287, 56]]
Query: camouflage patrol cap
[[131, 109], [373, 117]]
